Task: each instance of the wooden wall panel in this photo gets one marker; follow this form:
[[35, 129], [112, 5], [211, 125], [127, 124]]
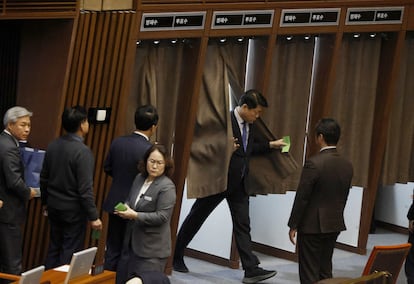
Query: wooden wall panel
[[96, 79], [410, 21], [38, 9], [9, 57], [42, 58], [35, 237]]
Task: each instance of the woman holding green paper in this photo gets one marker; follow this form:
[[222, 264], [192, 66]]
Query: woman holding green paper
[[149, 206]]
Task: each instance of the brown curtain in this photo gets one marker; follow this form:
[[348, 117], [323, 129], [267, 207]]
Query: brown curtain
[[157, 73], [399, 150], [212, 142], [288, 94], [353, 101], [212, 145]]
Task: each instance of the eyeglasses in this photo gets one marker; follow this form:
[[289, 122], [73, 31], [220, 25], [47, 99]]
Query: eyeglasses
[[159, 163]]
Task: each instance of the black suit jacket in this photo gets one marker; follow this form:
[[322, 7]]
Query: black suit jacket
[[66, 180], [13, 190], [239, 161], [122, 165], [322, 194], [410, 213]]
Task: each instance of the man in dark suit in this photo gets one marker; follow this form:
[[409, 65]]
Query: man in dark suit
[[122, 165], [249, 109], [66, 185], [14, 193], [409, 262], [317, 213]]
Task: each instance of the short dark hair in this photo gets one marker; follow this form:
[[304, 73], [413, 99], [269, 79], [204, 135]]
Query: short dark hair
[[145, 117], [73, 117], [252, 98], [169, 163], [330, 130]]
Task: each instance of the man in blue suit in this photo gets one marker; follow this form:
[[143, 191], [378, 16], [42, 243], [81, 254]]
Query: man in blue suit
[[122, 165]]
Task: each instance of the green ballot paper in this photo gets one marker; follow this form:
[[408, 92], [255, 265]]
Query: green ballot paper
[[96, 234], [120, 207], [286, 148]]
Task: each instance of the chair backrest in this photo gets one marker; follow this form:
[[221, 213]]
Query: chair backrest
[[387, 258], [376, 277]]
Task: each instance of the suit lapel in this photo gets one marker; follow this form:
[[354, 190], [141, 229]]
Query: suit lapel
[[136, 191], [149, 194], [236, 128], [11, 138]]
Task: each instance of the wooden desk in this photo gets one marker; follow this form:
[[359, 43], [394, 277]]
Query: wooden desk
[[57, 277]]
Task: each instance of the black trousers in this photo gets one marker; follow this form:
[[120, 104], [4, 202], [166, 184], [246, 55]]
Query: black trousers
[[238, 202], [65, 238], [409, 262], [114, 241], [10, 249], [315, 256]]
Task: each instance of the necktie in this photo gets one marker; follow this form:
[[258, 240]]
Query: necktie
[[244, 135]]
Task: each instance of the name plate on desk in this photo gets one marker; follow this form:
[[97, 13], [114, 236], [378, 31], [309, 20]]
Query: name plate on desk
[[242, 19], [374, 16], [310, 17], [172, 21]]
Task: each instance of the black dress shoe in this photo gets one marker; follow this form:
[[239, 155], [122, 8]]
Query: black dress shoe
[[179, 265], [257, 274]]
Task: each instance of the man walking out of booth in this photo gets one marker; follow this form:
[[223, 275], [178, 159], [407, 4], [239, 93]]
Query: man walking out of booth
[[249, 109]]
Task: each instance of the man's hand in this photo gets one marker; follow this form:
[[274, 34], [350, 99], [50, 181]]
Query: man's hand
[[96, 224], [277, 144], [1, 203], [236, 144], [292, 236]]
